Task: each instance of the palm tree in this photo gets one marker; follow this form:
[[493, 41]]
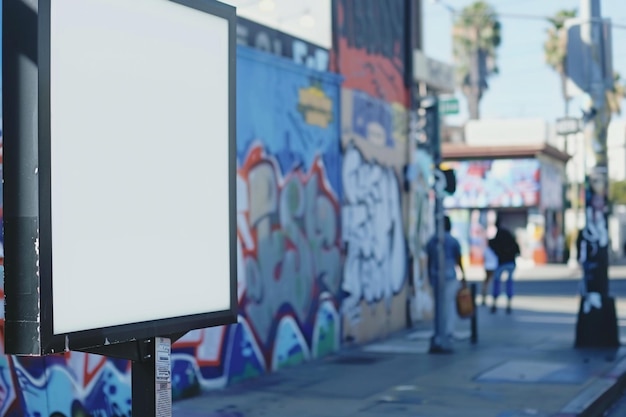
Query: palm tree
[[555, 49], [615, 95], [476, 38]]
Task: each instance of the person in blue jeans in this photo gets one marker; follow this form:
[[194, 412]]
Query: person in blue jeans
[[491, 264], [506, 249], [452, 261]]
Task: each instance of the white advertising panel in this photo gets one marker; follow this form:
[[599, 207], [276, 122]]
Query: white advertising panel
[[139, 162], [120, 173]]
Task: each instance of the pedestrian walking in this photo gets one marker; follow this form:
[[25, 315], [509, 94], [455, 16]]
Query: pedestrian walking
[[452, 260], [506, 249], [490, 260]]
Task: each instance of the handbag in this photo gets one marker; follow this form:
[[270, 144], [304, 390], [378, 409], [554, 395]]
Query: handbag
[[464, 302]]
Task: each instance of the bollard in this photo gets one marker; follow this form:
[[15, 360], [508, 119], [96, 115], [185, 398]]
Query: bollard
[[474, 318]]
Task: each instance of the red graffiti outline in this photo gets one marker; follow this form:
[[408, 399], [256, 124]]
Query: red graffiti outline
[[256, 156]]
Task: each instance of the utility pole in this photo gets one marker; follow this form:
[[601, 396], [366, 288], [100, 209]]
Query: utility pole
[[597, 321]]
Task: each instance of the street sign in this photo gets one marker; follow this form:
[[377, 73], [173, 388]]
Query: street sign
[[567, 126], [435, 74], [448, 106]]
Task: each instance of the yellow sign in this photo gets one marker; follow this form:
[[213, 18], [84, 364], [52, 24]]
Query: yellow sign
[[316, 107]]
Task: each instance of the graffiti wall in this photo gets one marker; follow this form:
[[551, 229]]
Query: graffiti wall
[[497, 183], [289, 229], [420, 220], [482, 227], [462, 231], [375, 268], [289, 244], [552, 182], [369, 47], [74, 384], [369, 51]]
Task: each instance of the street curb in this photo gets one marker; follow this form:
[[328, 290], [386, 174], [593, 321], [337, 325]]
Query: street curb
[[598, 396]]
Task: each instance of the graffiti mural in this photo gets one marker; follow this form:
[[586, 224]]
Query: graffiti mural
[[593, 242], [70, 385], [495, 183], [370, 47], [297, 250], [421, 215], [420, 218], [461, 229], [376, 264], [288, 230]]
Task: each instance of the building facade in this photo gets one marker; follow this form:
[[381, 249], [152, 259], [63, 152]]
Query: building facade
[[521, 186]]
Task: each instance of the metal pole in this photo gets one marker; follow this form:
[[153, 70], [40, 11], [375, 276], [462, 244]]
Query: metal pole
[[20, 75], [597, 321], [440, 341], [151, 379], [474, 318], [143, 384]]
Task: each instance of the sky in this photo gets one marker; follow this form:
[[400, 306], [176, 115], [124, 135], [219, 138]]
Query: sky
[[525, 87]]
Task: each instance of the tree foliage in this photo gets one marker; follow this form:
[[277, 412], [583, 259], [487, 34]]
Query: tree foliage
[[555, 48], [617, 192], [615, 95], [476, 38]]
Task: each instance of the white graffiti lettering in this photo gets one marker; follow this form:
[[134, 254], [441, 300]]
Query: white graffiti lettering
[[375, 262]]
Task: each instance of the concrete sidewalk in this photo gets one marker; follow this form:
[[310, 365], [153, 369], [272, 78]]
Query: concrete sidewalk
[[523, 364], [529, 271]]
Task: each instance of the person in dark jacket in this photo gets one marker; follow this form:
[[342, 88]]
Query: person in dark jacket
[[506, 249]]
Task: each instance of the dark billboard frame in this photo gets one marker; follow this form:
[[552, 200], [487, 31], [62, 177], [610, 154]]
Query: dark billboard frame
[[28, 192]]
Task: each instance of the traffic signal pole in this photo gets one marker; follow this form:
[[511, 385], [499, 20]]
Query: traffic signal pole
[[597, 320], [440, 342]]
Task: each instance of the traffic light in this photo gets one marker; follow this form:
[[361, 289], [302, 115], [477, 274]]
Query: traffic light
[[427, 124], [450, 177]]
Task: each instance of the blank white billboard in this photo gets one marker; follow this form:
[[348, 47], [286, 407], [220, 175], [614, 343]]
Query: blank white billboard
[[140, 169]]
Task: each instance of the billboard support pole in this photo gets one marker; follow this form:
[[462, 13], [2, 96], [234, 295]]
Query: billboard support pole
[[143, 380], [151, 378], [151, 382]]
